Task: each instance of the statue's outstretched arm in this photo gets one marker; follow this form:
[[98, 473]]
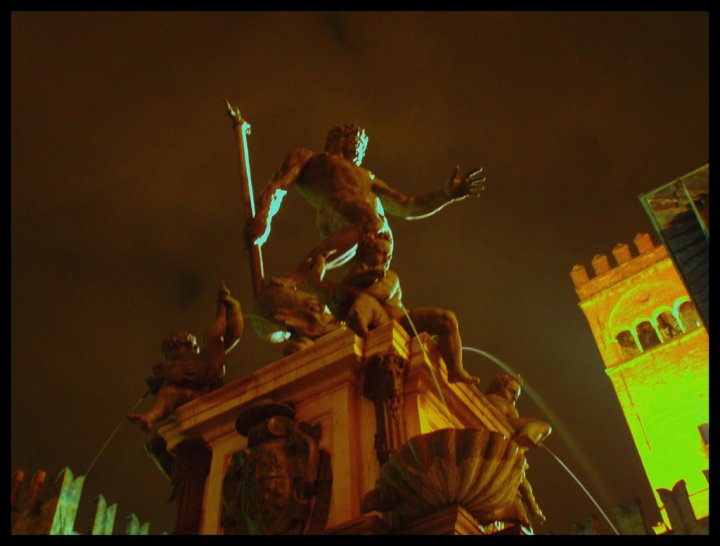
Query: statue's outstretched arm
[[269, 201], [423, 205]]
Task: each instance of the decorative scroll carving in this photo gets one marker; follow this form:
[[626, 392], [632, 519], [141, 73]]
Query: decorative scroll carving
[[384, 378], [477, 469], [282, 483]]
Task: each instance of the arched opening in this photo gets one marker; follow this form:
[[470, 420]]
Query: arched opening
[[628, 345], [689, 316], [668, 325], [647, 336]]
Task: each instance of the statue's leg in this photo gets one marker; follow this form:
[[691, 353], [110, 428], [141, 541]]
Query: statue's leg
[[342, 241], [359, 218], [365, 314], [443, 324], [168, 398], [531, 432]]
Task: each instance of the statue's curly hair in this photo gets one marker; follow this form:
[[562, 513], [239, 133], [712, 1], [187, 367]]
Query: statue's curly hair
[[355, 137], [177, 339], [372, 241], [501, 381]]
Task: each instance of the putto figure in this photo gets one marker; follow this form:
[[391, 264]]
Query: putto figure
[[502, 393], [370, 295], [187, 371], [350, 201]]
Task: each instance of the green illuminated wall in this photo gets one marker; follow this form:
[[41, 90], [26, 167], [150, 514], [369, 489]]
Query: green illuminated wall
[[660, 375]]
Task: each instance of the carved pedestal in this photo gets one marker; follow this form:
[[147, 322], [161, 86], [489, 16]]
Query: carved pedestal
[[190, 470], [366, 397]]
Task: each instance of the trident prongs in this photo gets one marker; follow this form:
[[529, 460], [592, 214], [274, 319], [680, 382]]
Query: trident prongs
[[236, 116]]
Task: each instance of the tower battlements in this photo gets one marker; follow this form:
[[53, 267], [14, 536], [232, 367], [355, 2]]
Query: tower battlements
[[627, 265], [48, 506]]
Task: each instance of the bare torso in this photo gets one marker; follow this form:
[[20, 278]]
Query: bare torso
[[341, 192]]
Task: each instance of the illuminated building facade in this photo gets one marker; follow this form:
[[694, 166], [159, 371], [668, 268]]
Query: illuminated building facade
[[656, 354]]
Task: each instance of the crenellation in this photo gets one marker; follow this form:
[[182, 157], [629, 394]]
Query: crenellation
[[626, 266], [104, 517], [49, 507], [643, 243], [17, 481], [37, 484], [653, 353], [579, 275], [621, 253], [600, 264]]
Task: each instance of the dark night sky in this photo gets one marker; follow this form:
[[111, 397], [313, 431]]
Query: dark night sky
[[126, 203]]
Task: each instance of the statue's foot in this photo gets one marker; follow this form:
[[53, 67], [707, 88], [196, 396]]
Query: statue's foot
[[533, 434], [141, 420], [523, 440], [461, 376]]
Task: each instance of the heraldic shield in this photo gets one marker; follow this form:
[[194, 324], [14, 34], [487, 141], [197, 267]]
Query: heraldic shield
[[281, 484]]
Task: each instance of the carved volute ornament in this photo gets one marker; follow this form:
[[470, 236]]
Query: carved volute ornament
[[282, 483], [384, 378]]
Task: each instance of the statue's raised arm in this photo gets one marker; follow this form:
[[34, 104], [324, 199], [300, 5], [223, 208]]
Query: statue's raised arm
[[187, 371], [422, 205], [269, 201]]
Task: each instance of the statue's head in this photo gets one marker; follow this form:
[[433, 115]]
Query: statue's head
[[375, 249], [507, 386], [372, 259], [178, 342], [349, 140]]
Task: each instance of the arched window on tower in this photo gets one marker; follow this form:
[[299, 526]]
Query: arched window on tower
[[628, 345], [689, 316], [647, 335], [668, 326]]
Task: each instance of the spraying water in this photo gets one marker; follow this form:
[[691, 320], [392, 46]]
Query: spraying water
[[112, 434], [557, 424], [581, 487]]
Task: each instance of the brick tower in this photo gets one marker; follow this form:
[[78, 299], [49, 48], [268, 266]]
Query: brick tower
[[656, 354]]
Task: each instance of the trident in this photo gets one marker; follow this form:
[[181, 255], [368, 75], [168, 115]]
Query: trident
[[242, 130]]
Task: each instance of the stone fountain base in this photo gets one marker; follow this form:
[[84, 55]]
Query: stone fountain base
[[354, 403]]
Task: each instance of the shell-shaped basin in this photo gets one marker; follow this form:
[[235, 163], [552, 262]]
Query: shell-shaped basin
[[475, 468]]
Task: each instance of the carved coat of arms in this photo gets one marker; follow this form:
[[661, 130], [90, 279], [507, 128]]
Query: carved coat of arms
[[281, 483]]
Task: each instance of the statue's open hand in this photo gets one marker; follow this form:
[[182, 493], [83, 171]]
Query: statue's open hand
[[461, 186]]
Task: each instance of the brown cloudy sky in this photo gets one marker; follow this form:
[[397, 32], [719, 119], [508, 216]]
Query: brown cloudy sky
[[126, 207]]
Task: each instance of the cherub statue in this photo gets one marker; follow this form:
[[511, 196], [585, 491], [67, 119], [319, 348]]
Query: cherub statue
[[502, 393], [369, 295], [187, 371], [350, 200]]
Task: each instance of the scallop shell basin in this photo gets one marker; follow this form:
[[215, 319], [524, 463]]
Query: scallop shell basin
[[475, 468]]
